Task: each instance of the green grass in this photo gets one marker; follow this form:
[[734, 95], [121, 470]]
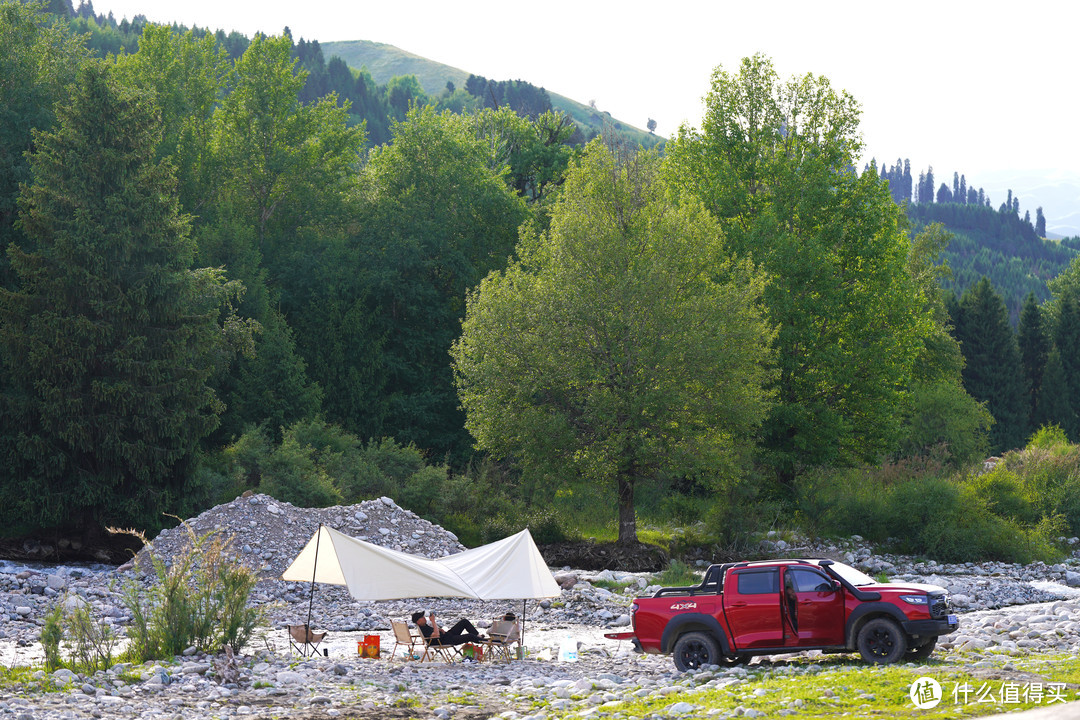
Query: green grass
[[678, 574], [834, 687]]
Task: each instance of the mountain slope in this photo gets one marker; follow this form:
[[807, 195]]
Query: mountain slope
[[386, 61]]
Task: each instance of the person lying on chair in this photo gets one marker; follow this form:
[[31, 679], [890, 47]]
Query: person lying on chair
[[463, 631]]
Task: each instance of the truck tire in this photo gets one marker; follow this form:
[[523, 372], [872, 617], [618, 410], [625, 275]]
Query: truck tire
[[733, 660], [694, 650], [881, 641], [922, 651]]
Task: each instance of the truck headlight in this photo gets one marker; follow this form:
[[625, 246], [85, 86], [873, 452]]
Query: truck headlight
[[914, 599]]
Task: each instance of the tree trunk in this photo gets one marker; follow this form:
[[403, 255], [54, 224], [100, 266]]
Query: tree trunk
[[627, 519]]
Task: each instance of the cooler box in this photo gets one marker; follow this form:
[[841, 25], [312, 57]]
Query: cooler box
[[368, 647]]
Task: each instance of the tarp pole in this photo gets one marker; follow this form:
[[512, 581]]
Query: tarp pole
[[314, 570], [524, 602]]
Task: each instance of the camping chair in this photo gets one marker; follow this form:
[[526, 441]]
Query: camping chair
[[447, 653], [412, 640], [403, 637], [304, 640], [502, 635]]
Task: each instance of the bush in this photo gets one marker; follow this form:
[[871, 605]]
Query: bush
[[291, 474], [200, 601], [941, 517]]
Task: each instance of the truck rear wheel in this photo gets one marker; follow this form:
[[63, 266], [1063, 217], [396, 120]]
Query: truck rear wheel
[[881, 641], [694, 650]]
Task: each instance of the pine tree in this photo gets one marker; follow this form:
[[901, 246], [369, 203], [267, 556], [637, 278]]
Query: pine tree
[[1054, 405], [993, 372], [1067, 340], [961, 196], [1040, 222], [110, 338], [1034, 341]]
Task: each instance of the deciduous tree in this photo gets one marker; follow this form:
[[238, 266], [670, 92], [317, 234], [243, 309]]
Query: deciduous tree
[[624, 347], [773, 162]]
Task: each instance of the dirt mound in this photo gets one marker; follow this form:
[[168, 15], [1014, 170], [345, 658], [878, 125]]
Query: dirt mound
[[587, 555]]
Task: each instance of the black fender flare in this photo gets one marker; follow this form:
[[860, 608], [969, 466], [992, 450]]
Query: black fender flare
[[693, 622], [868, 611]]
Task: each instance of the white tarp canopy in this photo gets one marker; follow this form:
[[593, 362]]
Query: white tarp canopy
[[509, 569]]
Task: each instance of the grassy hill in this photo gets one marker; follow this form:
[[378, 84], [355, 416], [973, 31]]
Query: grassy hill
[[386, 61]]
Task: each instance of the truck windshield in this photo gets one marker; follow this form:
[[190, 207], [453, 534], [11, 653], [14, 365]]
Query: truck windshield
[[853, 576]]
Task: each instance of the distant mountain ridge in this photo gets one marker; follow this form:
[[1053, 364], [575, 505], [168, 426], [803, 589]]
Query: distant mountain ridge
[[385, 61]]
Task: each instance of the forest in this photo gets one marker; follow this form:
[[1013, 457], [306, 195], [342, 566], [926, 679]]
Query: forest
[[229, 265]]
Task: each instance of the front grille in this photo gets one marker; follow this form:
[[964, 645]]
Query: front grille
[[939, 604]]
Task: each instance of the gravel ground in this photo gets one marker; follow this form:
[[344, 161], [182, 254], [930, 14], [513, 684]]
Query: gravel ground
[[1006, 611]]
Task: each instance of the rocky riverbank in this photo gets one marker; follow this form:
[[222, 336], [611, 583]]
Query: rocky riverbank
[[1006, 610]]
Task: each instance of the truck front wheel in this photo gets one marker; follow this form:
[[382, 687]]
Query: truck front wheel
[[695, 649], [881, 641], [922, 651]]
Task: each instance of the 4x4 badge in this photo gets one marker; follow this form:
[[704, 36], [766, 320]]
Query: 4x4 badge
[[684, 606]]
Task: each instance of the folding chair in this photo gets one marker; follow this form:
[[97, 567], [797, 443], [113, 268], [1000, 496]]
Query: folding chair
[[447, 653], [412, 640], [403, 637], [304, 640], [502, 635]]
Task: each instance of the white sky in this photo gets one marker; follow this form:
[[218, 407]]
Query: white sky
[[966, 87]]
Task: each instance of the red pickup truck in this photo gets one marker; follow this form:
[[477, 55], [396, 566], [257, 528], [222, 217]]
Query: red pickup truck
[[780, 606]]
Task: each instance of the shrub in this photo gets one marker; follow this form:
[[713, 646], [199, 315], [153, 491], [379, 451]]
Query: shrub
[[291, 474], [941, 517], [201, 601], [52, 632], [91, 642]]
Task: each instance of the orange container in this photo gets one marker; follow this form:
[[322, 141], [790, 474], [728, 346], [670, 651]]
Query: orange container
[[368, 647]]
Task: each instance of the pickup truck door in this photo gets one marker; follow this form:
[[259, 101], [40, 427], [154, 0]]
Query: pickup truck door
[[752, 607], [818, 607]]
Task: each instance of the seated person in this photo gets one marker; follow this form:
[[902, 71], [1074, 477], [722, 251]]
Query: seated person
[[462, 631]]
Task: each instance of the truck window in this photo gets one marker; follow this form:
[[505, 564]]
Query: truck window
[[712, 580], [759, 582], [809, 581]]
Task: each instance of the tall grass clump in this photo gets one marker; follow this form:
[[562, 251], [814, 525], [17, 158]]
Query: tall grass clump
[[200, 600], [91, 642]]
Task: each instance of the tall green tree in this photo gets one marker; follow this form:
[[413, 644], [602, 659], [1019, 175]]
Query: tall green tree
[[1033, 338], [287, 193], [993, 370], [434, 219], [943, 421], [624, 347], [773, 162], [111, 338], [1067, 341], [1055, 402], [37, 67]]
